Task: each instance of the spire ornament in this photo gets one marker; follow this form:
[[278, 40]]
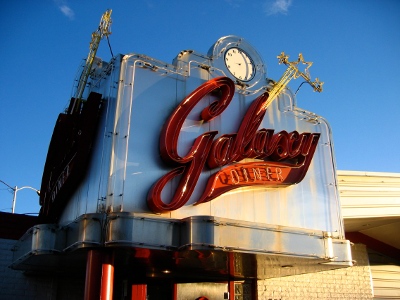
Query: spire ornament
[[292, 72]]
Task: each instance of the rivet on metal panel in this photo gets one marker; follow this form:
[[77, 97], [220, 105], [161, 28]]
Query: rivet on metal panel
[[205, 67], [241, 84], [111, 218]]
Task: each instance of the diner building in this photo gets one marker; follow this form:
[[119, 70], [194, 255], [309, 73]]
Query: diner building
[[200, 179]]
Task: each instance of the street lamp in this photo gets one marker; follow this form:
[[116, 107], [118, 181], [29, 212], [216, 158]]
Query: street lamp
[[15, 190]]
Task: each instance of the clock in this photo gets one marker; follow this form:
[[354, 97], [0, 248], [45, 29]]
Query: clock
[[239, 64], [234, 57]]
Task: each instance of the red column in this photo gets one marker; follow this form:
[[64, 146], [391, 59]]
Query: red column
[[231, 289], [175, 292], [231, 282], [107, 279], [93, 275], [139, 292]]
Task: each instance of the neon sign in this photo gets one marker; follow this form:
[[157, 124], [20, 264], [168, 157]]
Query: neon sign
[[278, 159]]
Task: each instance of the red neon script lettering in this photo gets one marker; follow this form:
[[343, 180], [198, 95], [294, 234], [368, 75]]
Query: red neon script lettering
[[281, 158]]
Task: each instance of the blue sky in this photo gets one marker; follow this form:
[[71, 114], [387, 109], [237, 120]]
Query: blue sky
[[355, 47]]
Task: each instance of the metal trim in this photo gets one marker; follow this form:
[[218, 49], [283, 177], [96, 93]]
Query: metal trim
[[198, 233], [127, 230], [205, 232]]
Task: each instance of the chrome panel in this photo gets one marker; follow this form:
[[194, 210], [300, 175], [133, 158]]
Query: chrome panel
[[40, 241], [140, 93], [124, 229], [90, 195], [341, 253], [41, 245], [86, 231], [201, 243], [150, 95], [204, 232]]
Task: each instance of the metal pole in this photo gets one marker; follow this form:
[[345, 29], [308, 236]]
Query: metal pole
[[107, 279], [15, 189], [139, 292], [93, 275]]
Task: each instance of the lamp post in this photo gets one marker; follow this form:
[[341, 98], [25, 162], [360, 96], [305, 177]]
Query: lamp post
[[15, 190]]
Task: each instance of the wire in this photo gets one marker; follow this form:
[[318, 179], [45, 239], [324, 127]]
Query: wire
[[299, 87], [109, 45]]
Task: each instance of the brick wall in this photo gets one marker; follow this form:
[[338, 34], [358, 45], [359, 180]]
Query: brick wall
[[27, 286], [17, 285], [346, 283]]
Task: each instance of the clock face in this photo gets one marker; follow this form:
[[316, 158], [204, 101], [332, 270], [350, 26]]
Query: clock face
[[240, 64]]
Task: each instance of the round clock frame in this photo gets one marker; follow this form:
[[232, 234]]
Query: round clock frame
[[235, 58]]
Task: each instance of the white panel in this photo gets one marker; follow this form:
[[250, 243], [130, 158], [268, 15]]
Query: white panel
[[386, 281]]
